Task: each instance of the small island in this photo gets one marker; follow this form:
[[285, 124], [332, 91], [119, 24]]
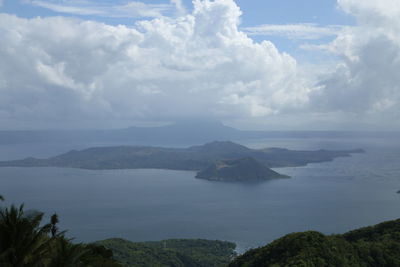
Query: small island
[[245, 169]]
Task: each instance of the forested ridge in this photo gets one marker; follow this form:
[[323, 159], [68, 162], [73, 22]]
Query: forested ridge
[[173, 252], [365, 247]]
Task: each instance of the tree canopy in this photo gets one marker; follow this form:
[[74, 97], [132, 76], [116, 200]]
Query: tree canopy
[[366, 247], [27, 242]]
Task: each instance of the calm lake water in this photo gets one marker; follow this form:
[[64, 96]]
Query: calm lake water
[[141, 205]]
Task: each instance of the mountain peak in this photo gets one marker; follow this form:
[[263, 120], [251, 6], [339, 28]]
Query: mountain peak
[[244, 169], [221, 147], [208, 123]]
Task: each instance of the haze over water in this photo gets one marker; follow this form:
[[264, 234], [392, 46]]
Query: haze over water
[[141, 205]]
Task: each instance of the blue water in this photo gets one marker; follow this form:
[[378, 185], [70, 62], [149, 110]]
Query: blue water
[[140, 205]]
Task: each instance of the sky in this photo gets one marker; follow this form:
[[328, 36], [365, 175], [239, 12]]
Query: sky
[[259, 64]]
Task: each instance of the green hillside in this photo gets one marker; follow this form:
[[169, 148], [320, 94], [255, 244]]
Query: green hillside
[[371, 246], [174, 252]]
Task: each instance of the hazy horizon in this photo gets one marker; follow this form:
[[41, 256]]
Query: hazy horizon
[[186, 124]]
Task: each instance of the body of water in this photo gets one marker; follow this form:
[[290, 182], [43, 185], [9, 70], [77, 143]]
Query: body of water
[[141, 205]]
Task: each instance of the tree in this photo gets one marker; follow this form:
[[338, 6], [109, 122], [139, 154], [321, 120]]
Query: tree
[[54, 227], [23, 241], [64, 253]]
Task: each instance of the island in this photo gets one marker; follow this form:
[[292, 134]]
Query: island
[[245, 169], [218, 160]]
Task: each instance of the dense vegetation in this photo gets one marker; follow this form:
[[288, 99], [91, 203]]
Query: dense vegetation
[[174, 252], [371, 246], [26, 242]]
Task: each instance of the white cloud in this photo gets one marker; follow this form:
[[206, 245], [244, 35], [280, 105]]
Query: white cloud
[[295, 31], [366, 81], [372, 12], [363, 87], [197, 65], [132, 9]]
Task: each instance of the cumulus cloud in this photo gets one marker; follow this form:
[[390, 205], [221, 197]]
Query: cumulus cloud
[[196, 65], [366, 80], [373, 13]]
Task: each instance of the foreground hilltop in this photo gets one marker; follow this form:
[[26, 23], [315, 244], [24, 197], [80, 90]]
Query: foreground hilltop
[[172, 252], [195, 158], [370, 246]]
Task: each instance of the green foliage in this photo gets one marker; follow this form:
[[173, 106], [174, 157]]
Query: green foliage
[[174, 252], [24, 242], [98, 256], [371, 246]]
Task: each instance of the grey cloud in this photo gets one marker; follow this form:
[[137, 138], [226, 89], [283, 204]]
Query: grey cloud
[[366, 81], [370, 82]]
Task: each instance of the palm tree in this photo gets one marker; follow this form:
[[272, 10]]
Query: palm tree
[[23, 241], [54, 227], [66, 254]]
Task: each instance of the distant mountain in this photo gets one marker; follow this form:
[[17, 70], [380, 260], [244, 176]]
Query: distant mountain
[[177, 133], [180, 133], [195, 158], [245, 169], [367, 247], [222, 149]]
